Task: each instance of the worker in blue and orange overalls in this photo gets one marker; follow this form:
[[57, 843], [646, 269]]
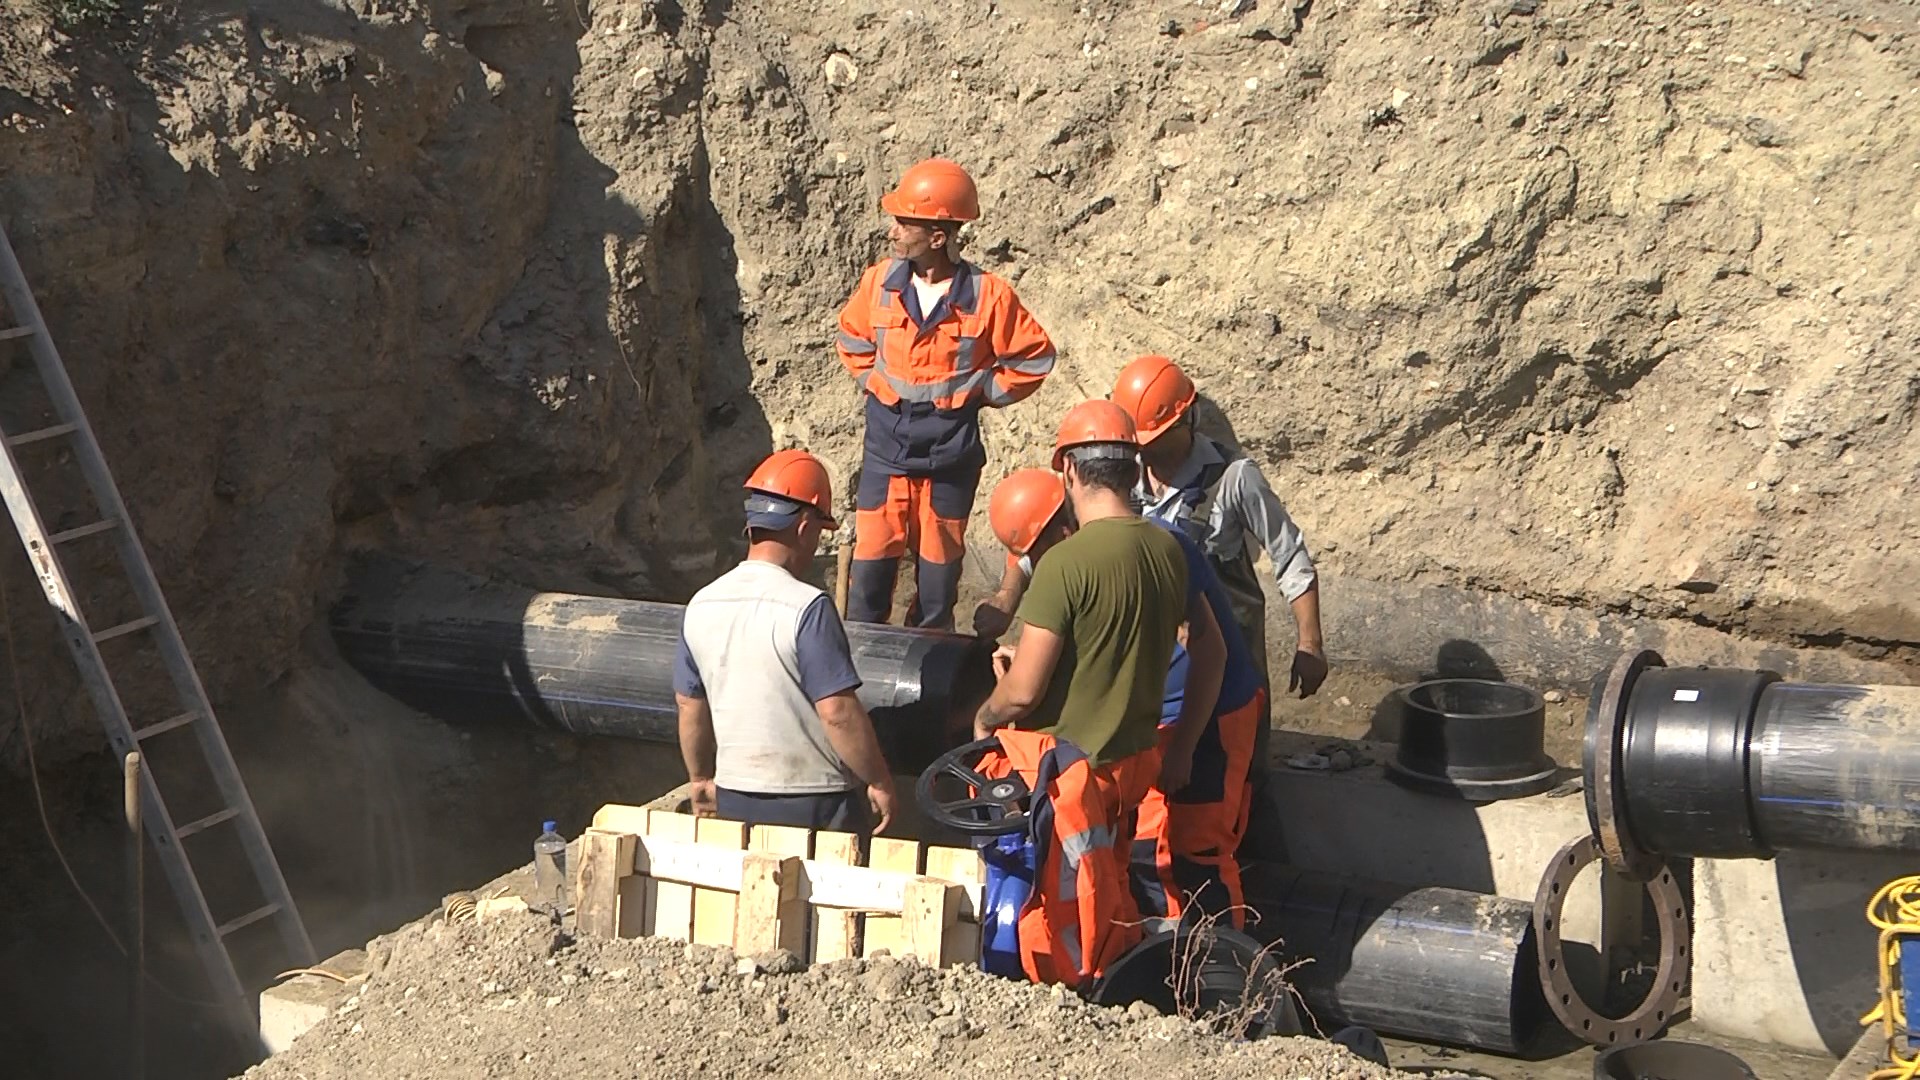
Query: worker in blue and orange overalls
[[1077, 706], [1218, 496], [932, 339], [1183, 854]]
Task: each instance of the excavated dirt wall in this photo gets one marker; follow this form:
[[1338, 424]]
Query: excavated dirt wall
[[1603, 309], [1594, 305]]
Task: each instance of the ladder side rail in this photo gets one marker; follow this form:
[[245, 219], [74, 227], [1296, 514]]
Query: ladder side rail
[[106, 701], [173, 650], [225, 979]]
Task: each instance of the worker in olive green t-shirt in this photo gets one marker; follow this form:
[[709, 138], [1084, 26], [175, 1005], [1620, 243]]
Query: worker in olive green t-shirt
[[1102, 617]]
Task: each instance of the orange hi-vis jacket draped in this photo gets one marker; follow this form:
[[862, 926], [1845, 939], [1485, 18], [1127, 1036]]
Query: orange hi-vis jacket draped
[[1081, 916], [929, 373]]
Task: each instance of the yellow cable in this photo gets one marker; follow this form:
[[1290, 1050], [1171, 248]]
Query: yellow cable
[[1895, 912]]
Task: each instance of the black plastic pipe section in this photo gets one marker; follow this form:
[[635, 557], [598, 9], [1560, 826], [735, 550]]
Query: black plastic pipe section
[[1836, 767], [1476, 739], [469, 650], [1441, 965], [1731, 763]]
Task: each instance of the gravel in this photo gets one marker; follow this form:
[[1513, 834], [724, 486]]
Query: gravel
[[524, 999]]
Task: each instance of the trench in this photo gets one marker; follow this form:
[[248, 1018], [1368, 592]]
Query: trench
[[542, 340]]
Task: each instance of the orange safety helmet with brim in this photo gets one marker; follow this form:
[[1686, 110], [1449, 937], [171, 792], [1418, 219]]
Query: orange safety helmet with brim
[[784, 486], [1023, 505], [1155, 392], [934, 190], [1096, 428]]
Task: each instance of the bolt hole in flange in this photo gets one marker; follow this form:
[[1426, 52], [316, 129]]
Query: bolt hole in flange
[[1646, 1018]]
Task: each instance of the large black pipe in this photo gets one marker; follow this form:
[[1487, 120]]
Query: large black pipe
[[1732, 763], [1440, 965], [470, 650], [1836, 767], [1437, 964]]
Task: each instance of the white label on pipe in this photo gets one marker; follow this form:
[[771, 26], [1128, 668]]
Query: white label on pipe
[[1686, 695]]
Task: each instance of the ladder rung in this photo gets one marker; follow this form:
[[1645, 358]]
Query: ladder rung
[[248, 919], [16, 332], [53, 432], [84, 530], [164, 726], [207, 822], [112, 632]]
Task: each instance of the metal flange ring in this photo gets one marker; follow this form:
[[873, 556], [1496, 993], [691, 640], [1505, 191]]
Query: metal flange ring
[[1654, 1012], [1606, 788]]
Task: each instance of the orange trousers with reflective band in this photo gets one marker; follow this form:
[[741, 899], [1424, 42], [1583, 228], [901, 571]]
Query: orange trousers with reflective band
[[1183, 853], [895, 515], [1081, 916]]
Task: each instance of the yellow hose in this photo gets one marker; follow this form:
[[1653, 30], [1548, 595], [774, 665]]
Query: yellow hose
[[1895, 912]]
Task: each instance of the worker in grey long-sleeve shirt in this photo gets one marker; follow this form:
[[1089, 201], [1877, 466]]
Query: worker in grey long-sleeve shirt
[[1220, 499]]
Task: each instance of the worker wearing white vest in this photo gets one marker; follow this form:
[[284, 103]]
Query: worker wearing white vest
[[771, 728]]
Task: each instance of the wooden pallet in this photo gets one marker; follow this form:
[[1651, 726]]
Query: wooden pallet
[[651, 871]]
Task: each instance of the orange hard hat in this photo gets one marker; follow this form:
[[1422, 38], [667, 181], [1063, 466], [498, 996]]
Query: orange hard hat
[[1155, 392], [1095, 421], [934, 190], [1022, 505], [785, 482]]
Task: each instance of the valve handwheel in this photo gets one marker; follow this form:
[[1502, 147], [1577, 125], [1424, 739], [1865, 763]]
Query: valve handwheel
[[992, 806]]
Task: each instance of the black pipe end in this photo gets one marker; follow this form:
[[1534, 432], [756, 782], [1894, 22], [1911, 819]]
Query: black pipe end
[[1684, 754], [1476, 739]]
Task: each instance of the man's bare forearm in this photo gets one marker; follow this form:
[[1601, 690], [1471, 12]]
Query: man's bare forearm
[[996, 714], [1306, 620], [697, 748], [850, 733]]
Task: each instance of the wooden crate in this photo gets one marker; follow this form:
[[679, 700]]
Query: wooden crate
[[653, 871]]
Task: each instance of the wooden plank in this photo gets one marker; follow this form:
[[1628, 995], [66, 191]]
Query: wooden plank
[[788, 840], [771, 913], [606, 858], [932, 911], [825, 884], [615, 817], [714, 909], [781, 840], [636, 907], [836, 932], [670, 903], [962, 866], [882, 932]]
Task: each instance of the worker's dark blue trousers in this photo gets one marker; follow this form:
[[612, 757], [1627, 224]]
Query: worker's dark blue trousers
[[924, 515], [843, 811]]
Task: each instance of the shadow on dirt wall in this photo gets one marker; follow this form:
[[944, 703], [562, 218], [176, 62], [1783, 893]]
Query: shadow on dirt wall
[[375, 811]]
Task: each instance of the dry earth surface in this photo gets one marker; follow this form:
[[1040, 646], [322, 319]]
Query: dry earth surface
[[1605, 306], [523, 999], [1594, 304]]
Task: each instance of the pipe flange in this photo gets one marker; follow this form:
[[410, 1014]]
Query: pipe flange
[[1653, 1013], [1606, 791]]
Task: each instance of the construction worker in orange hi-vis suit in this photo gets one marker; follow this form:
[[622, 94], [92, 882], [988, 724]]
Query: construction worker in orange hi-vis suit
[[1217, 496], [932, 339], [1083, 692], [1184, 841]]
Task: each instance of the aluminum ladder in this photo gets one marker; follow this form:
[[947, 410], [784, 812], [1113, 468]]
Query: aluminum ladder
[[194, 713]]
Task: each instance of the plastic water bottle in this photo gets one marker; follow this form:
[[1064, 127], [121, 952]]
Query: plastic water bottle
[[550, 869]]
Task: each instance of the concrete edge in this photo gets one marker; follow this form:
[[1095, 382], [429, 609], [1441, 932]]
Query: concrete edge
[[291, 1008]]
